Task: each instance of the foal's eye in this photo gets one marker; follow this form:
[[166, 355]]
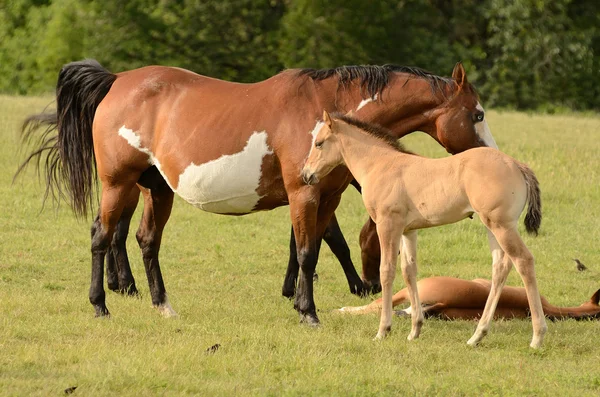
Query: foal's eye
[[478, 117], [319, 144]]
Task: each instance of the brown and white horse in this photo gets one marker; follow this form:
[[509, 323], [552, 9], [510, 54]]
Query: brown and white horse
[[227, 148], [451, 298], [403, 192]]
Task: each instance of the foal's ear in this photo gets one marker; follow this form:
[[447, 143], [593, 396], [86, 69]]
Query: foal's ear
[[350, 113], [327, 118], [459, 75]]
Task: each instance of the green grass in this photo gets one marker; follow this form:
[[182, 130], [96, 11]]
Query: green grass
[[223, 275]]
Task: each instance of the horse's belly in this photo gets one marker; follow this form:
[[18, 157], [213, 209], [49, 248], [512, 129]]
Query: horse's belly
[[229, 184]]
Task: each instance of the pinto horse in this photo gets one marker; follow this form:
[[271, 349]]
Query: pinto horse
[[452, 298], [403, 192], [227, 148]]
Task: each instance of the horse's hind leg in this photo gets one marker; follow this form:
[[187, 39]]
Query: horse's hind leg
[[501, 266], [111, 206], [117, 260], [158, 202], [409, 272]]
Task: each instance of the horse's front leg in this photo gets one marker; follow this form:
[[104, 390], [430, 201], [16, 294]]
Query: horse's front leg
[[409, 272], [303, 210], [337, 243], [390, 231]]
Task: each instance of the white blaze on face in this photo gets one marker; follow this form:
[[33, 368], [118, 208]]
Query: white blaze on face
[[366, 101], [315, 131], [483, 130], [226, 185]]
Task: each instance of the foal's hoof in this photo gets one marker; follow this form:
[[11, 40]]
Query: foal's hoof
[[310, 319], [101, 311]]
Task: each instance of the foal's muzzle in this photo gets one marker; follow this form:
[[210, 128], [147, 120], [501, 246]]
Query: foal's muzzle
[[309, 178]]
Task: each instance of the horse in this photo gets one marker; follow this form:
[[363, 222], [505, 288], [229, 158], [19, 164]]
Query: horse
[[226, 148], [451, 298], [403, 192]]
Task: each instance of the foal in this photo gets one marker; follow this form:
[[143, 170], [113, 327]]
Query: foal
[[452, 298], [403, 192]]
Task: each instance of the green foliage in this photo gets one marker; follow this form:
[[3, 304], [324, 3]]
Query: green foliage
[[525, 54]]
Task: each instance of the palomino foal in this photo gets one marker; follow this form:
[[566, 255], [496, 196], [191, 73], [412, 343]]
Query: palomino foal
[[403, 192]]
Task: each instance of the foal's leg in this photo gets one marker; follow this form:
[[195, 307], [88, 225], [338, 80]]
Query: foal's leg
[[501, 266], [111, 206], [390, 232], [409, 272], [510, 240], [158, 203]]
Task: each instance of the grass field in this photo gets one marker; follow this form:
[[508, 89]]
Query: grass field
[[223, 275]]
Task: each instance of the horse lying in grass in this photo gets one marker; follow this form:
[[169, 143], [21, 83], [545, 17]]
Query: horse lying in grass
[[403, 192], [452, 298]]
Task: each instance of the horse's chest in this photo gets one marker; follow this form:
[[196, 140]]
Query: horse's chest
[[229, 184]]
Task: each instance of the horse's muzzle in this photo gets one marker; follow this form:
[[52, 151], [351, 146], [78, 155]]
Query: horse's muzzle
[[309, 178]]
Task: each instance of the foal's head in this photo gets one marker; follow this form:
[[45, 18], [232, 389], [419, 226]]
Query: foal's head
[[324, 154]]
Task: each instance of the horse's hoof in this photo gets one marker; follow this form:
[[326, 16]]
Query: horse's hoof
[[310, 319], [166, 310], [288, 293], [101, 311], [131, 291]]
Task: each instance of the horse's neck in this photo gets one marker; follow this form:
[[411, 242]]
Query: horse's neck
[[362, 152], [404, 107]]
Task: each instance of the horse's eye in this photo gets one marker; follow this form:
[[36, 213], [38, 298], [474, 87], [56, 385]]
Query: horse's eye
[[319, 144], [478, 117]]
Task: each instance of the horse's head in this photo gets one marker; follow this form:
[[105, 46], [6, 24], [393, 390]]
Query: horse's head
[[447, 109], [460, 122], [324, 154]]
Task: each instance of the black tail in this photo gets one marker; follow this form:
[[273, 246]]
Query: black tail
[[70, 165]]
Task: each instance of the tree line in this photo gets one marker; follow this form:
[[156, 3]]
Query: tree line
[[522, 54]]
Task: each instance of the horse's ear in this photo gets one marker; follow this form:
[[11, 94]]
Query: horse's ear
[[595, 298], [326, 118], [459, 75]]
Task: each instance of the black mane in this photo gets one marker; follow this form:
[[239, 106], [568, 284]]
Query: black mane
[[375, 130], [374, 78]]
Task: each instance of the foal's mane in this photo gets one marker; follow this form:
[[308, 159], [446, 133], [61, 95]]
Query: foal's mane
[[373, 129], [375, 78]]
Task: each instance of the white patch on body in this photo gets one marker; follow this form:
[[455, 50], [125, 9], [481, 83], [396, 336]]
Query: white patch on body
[[226, 185], [165, 309], [136, 141], [366, 101], [483, 130]]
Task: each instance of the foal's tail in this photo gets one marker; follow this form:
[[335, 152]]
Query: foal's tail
[[533, 218], [69, 161]]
